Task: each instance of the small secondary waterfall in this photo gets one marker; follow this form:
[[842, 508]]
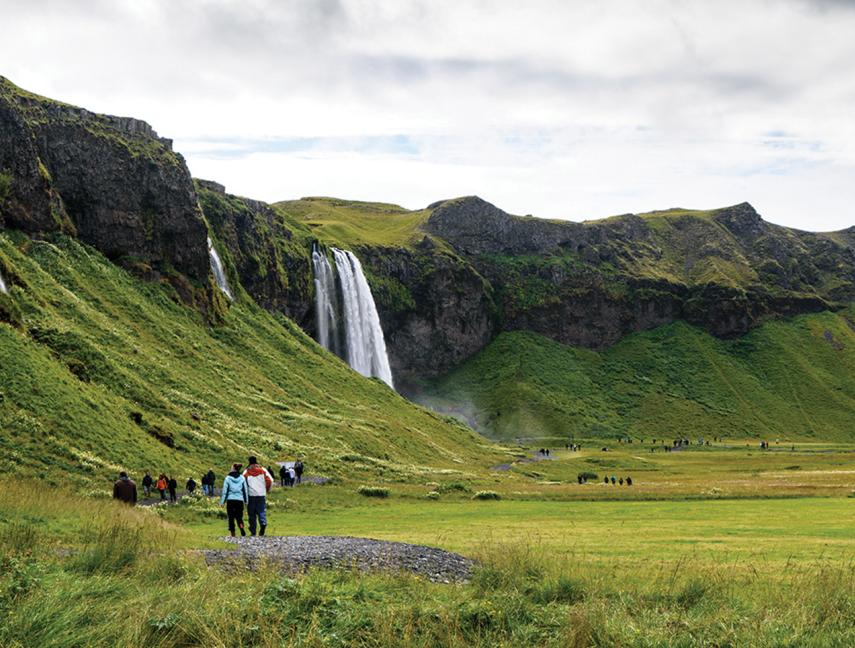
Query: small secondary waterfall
[[219, 273], [3, 288], [363, 344]]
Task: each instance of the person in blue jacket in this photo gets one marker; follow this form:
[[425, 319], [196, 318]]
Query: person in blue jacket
[[235, 496]]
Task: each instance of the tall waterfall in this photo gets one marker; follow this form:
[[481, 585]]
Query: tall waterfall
[[3, 288], [363, 345], [219, 273], [326, 301]]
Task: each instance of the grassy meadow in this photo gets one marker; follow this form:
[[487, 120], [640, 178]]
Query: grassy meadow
[[553, 570]]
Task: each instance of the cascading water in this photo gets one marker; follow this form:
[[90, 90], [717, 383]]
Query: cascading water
[[364, 345], [326, 300], [217, 269], [3, 288]]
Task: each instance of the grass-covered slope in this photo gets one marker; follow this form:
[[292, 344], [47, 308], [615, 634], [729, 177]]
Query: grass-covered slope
[[351, 223], [786, 379], [100, 370]]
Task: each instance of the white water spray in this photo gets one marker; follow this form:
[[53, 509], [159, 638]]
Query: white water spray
[[364, 344], [3, 288], [219, 273]]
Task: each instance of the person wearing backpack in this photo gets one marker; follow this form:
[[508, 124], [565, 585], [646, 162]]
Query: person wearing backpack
[[258, 483], [235, 495]]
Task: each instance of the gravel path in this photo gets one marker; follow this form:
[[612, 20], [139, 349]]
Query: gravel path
[[298, 553]]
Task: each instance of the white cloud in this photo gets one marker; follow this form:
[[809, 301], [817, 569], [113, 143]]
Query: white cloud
[[561, 109]]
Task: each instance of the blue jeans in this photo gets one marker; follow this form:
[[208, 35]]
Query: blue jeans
[[257, 508]]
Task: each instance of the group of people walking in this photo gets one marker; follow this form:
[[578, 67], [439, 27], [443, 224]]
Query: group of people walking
[[618, 480], [242, 489]]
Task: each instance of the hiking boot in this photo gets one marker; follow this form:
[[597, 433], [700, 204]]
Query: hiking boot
[[242, 531], [261, 529]]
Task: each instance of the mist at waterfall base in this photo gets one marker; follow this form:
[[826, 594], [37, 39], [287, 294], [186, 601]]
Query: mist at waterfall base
[[217, 269], [3, 288], [347, 320]]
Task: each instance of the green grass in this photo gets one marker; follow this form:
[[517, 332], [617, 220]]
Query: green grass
[[763, 573], [350, 223], [783, 380], [101, 371]]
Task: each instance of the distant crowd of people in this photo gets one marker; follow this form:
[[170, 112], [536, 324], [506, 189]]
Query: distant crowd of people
[[619, 480], [241, 489]]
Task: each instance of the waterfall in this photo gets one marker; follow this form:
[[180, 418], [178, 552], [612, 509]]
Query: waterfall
[[363, 343], [3, 288], [326, 300], [217, 269]]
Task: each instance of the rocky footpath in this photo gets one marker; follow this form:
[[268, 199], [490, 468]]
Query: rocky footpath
[[295, 554]]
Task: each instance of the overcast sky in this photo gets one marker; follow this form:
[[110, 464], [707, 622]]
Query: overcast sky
[[554, 108]]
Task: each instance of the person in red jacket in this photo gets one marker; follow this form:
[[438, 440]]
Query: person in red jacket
[[258, 483]]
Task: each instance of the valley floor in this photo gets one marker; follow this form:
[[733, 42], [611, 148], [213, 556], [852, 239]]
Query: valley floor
[[666, 562]]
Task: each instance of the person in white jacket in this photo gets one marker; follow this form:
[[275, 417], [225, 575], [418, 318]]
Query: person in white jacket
[[258, 483]]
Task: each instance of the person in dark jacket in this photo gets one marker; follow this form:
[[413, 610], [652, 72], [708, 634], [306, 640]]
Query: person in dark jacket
[[172, 485], [147, 482], [125, 490], [283, 475], [191, 485], [212, 479], [298, 470], [235, 496]]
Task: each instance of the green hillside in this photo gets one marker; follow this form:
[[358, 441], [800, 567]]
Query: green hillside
[[349, 223], [785, 379], [100, 370]]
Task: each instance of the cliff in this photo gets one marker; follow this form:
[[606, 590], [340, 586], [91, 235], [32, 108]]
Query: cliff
[[111, 180]]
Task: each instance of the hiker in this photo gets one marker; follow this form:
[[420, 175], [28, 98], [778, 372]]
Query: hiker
[[147, 481], [620, 481], [629, 481], [283, 475], [125, 490], [613, 480], [298, 470], [258, 482], [212, 479], [161, 486], [606, 479], [191, 486], [292, 476], [235, 496], [172, 485]]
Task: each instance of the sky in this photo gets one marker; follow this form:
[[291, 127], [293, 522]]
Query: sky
[[555, 108]]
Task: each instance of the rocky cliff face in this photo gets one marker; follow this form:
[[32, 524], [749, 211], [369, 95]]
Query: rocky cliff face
[[589, 284], [270, 254], [121, 186], [436, 310]]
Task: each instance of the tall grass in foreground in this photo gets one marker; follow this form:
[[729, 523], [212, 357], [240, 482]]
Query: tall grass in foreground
[[80, 573]]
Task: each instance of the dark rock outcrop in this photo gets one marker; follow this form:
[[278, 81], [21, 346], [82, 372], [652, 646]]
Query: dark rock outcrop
[[269, 252], [436, 310], [123, 188]]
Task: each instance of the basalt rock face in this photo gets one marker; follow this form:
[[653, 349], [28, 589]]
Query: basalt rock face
[[436, 310], [589, 284], [123, 188], [27, 200], [269, 253]]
